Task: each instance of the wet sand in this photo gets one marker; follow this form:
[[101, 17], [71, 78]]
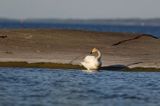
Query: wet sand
[[69, 47]]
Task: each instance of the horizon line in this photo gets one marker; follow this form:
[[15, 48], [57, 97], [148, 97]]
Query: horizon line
[[134, 18]]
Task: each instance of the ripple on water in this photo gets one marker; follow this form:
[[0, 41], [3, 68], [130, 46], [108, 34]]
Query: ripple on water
[[28, 86]]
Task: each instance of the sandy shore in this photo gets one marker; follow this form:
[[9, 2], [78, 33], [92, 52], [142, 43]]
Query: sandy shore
[[69, 47]]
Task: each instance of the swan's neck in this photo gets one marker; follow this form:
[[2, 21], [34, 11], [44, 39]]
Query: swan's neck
[[99, 55]]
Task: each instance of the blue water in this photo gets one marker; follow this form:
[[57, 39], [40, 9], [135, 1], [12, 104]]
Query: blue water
[[59, 87], [55, 87], [154, 30]]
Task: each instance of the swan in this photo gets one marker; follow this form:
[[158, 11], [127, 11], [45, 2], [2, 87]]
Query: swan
[[91, 62]]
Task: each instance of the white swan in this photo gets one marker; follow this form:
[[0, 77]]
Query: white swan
[[91, 62]]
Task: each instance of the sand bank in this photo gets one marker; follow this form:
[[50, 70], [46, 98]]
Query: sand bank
[[52, 47]]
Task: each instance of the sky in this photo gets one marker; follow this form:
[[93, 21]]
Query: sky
[[79, 9]]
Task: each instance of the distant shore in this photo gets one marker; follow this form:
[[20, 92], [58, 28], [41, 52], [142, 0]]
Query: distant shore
[[66, 48]]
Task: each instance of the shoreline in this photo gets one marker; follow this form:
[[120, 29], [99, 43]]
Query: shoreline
[[23, 64], [52, 48]]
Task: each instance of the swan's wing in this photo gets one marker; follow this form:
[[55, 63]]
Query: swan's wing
[[89, 59]]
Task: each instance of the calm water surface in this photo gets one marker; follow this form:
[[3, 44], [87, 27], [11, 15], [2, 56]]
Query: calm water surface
[[153, 30], [58, 87]]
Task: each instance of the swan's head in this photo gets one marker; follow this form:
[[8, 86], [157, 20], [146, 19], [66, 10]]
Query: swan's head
[[94, 50]]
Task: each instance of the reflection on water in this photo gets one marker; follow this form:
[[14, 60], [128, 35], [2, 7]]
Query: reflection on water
[[55, 87]]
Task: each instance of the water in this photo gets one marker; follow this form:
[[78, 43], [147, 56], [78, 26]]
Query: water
[[57, 87], [153, 30]]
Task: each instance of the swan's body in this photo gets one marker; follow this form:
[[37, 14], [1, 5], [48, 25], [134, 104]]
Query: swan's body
[[92, 62]]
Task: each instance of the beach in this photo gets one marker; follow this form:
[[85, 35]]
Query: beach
[[59, 48]]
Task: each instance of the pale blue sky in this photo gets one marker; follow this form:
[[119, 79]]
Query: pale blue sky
[[85, 9]]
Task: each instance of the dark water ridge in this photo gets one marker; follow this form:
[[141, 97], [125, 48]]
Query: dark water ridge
[[48, 87], [153, 30]]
